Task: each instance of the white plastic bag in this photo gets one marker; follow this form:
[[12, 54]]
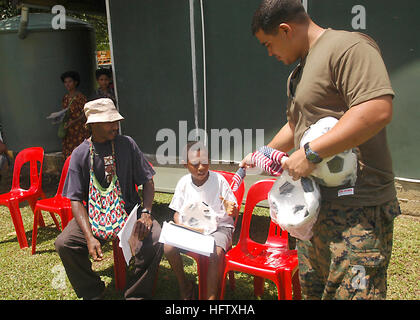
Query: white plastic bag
[[294, 205], [199, 216]]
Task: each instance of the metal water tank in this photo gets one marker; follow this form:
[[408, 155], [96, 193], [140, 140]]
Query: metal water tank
[[30, 69]]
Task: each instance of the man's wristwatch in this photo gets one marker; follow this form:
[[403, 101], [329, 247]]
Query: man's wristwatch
[[311, 155], [147, 211]]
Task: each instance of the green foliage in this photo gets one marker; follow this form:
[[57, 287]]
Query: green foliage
[[100, 25], [403, 270], [7, 9], [99, 22]]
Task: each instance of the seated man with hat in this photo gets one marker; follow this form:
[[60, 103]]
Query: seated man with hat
[[101, 183]]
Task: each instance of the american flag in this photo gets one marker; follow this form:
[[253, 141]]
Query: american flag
[[237, 179], [269, 160]]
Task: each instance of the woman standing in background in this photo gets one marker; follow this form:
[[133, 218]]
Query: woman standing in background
[[74, 100]]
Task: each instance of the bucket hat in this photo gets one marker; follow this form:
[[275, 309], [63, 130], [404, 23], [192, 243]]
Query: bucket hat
[[101, 110]]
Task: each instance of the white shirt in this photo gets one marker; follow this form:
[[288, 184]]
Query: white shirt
[[216, 186]]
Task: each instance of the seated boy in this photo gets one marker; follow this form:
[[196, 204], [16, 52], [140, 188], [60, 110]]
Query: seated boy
[[213, 189]]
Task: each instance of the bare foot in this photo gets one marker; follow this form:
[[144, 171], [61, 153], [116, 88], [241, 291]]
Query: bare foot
[[188, 291]]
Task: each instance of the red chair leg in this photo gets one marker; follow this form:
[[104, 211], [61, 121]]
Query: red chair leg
[[223, 284], [41, 222], [155, 282], [202, 265], [55, 220], [35, 230], [32, 203], [258, 286], [64, 221], [18, 223], [285, 284], [231, 275], [297, 295], [280, 293], [119, 266]]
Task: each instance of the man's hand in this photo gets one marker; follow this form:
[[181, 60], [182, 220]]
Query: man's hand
[[247, 162], [298, 166], [144, 225], [141, 230], [94, 248], [81, 217]]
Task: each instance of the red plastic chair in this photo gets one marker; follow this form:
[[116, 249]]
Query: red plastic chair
[[120, 270], [203, 261], [271, 260], [17, 194], [58, 204]]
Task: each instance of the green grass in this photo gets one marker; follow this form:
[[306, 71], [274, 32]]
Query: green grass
[[42, 277], [404, 268]]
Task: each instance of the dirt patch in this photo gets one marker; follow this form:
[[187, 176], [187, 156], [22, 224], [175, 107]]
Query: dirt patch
[[409, 197]]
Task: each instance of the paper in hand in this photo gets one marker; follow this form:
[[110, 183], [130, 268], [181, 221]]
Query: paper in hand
[[125, 234], [57, 116], [184, 238]]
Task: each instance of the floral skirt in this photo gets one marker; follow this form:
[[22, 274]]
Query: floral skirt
[[75, 135]]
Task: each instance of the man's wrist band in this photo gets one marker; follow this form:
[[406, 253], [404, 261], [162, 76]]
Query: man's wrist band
[[147, 211]]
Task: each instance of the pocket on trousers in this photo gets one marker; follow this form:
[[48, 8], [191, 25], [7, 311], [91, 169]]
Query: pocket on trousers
[[366, 258]]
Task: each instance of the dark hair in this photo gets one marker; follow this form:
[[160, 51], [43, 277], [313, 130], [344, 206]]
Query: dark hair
[[100, 72], [272, 13], [71, 74], [196, 146]]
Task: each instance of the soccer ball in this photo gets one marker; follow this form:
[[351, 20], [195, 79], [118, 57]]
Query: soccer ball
[[334, 171]]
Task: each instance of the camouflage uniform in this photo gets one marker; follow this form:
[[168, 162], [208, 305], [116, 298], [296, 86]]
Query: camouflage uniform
[[348, 256]]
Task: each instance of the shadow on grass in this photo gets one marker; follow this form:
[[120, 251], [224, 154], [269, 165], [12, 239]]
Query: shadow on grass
[[45, 234], [161, 212]]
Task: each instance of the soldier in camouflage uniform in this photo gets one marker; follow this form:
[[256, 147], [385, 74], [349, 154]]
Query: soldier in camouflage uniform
[[352, 249], [340, 74]]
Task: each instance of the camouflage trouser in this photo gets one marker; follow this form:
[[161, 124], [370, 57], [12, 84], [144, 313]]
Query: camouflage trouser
[[348, 256]]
